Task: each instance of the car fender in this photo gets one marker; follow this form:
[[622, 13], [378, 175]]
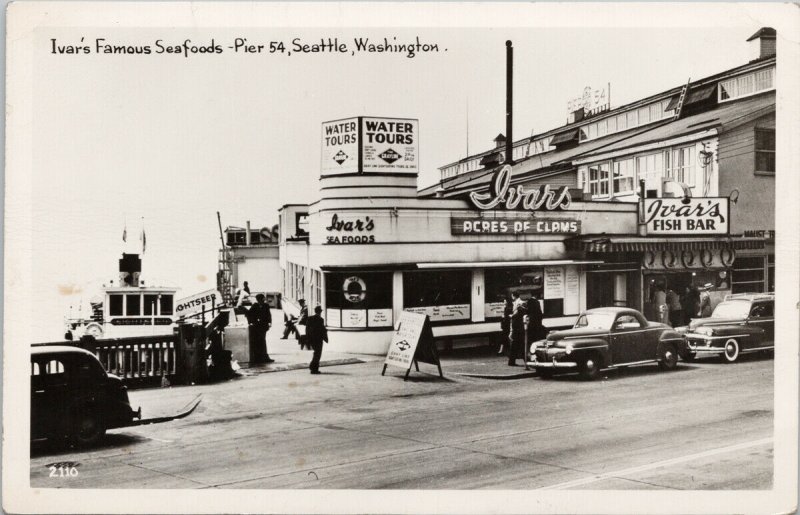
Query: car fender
[[672, 337], [581, 346], [737, 330]]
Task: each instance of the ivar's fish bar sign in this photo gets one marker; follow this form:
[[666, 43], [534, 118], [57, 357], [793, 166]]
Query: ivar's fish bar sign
[[689, 216], [370, 145]]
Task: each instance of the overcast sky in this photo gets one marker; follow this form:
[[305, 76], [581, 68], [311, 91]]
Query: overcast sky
[[174, 140]]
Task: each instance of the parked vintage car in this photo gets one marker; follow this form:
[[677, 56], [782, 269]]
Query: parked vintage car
[[73, 398], [740, 324], [606, 338]]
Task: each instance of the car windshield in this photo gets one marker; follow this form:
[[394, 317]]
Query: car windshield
[[600, 321], [731, 309]]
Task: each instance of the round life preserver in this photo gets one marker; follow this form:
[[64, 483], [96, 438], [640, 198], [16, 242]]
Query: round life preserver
[[354, 289], [668, 259], [648, 259], [727, 256], [706, 258], [688, 258]]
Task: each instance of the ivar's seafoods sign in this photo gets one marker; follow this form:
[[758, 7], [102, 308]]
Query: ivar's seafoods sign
[[370, 145]]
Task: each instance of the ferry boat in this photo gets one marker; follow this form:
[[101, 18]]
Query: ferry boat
[[127, 309]]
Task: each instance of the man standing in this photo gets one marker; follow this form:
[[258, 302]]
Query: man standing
[[316, 334], [517, 335], [302, 319], [260, 319], [536, 330]]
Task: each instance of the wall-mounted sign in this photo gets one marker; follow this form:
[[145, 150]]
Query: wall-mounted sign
[[444, 313], [379, 317], [351, 230], [507, 225], [333, 317], [589, 100], [553, 282], [370, 145], [572, 293], [352, 318], [702, 215], [501, 192], [141, 321], [767, 234]]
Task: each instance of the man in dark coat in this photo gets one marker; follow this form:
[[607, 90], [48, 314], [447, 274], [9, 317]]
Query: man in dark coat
[[302, 319], [260, 320], [517, 335], [316, 334], [536, 330]]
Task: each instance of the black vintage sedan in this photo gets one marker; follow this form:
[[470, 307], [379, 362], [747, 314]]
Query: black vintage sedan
[[740, 324], [73, 398], [605, 338]]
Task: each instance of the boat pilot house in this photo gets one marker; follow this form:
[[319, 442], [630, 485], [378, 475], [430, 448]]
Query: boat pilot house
[[605, 211]]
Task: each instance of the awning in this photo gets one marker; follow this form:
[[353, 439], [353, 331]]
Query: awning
[[644, 243], [695, 95], [501, 264], [565, 137]]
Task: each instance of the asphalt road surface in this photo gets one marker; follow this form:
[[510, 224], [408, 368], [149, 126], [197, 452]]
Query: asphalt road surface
[[705, 426]]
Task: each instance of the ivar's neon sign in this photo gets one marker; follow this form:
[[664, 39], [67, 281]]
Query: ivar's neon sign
[[501, 192]]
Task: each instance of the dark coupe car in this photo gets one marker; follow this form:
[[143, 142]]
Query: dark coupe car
[[73, 398], [740, 324], [607, 338]]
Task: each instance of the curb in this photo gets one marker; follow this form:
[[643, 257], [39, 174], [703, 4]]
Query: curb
[[297, 366], [500, 377]]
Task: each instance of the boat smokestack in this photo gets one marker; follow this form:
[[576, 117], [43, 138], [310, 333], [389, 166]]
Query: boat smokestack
[[509, 100], [247, 235], [130, 268]]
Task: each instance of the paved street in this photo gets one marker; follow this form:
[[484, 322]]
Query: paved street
[[704, 426]]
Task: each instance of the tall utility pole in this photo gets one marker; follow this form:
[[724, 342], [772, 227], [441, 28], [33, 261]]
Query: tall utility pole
[[509, 101]]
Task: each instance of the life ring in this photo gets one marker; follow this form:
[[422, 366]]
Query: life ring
[[727, 256], [688, 258], [706, 258], [354, 289], [668, 259], [649, 259]]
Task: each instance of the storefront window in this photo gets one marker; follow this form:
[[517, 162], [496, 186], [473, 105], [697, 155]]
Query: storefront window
[[748, 275], [598, 180], [359, 300], [624, 176], [442, 295], [561, 297]]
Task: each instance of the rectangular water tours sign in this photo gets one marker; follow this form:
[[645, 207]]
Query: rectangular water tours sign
[[370, 145]]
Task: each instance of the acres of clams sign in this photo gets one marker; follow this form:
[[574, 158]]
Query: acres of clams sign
[[370, 145]]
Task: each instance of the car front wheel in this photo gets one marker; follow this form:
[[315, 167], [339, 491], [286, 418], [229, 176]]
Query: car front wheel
[[731, 353], [589, 368], [88, 428], [668, 358]]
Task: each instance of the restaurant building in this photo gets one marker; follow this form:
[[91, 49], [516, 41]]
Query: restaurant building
[[671, 190]]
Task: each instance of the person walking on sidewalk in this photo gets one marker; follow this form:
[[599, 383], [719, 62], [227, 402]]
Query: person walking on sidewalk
[[316, 334], [302, 335], [259, 319]]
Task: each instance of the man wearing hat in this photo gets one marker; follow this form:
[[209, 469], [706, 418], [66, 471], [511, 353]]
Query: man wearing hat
[[260, 319], [316, 334]]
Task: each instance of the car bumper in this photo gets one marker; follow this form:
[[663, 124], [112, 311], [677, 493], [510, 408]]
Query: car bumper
[[703, 344], [551, 361]]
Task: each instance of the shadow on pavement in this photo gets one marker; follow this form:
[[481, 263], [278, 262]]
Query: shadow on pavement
[[56, 448]]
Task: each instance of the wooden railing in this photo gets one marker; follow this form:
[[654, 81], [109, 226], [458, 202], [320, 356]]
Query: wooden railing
[[136, 360]]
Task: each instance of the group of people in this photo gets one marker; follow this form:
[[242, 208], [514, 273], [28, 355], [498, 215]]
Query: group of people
[[521, 325], [259, 320], [679, 309]]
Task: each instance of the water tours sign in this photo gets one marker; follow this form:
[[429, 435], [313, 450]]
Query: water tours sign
[[370, 145], [687, 216], [412, 342]]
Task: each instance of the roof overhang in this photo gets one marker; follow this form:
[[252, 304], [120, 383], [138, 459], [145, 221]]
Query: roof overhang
[[503, 264], [644, 243], [656, 145]]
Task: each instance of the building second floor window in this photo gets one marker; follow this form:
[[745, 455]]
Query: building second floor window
[[682, 165], [624, 176], [746, 85], [765, 150], [598, 180]]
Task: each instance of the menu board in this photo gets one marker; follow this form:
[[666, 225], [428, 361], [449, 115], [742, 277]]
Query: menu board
[[493, 309], [572, 297], [380, 317], [354, 318], [333, 318], [443, 313], [404, 340], [553, 282]]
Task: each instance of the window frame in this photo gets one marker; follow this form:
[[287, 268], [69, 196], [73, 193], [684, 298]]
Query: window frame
[[757, 151], [731, 85]]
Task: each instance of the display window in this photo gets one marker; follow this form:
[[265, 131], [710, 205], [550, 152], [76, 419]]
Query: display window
[[445, 296], [557, 289], [356, 300]]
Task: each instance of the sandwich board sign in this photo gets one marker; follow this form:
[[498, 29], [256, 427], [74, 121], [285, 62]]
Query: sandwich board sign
[[412, 342]]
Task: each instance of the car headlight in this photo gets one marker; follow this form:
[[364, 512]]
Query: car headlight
[[568, 348], [705, 331]]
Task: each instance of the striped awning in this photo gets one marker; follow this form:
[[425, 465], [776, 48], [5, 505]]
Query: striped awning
[[644, 244]]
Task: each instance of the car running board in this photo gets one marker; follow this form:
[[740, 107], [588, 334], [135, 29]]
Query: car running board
[[185, 412]]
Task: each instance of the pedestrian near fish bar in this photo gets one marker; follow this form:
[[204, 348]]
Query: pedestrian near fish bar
[[517, 336], [260, 320], [316, 334]]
